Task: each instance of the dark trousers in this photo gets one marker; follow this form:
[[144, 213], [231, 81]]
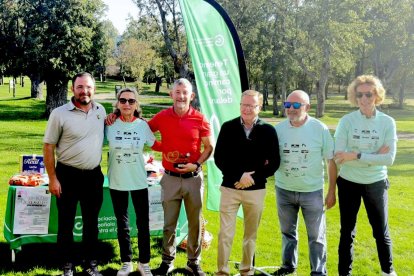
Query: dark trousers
[[85, 187], [141, 206], [375, 198]]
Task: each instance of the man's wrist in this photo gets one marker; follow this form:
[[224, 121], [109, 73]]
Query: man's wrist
[[197, 164]]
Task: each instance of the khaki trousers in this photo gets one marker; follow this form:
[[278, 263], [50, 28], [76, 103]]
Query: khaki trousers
[[174, 191], [252, 204]]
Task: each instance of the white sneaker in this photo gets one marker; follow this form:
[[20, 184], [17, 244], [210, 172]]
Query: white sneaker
[[125, 269], [144, 269], [392, 273]]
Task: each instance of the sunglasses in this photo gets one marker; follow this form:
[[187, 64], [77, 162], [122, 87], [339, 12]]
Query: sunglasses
[[295, 105], [130, 101], [359, 95]]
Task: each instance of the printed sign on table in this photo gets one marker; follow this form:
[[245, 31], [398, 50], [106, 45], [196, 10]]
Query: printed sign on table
[[156, 219], [32, 210]]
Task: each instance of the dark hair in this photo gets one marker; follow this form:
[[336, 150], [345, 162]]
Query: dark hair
[[82, 74]]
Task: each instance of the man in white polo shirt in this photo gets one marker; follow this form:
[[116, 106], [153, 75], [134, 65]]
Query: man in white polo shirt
[[75, 133]]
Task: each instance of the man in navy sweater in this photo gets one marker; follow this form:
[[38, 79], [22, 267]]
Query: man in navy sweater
[[247, 152]]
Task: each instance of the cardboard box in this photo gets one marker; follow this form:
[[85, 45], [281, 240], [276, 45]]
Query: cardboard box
[[32, 164]]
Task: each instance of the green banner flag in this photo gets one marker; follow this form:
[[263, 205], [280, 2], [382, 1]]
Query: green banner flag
[[219, 69]]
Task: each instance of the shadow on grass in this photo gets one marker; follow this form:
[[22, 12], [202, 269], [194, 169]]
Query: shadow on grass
[[32, 110], [45, 255]]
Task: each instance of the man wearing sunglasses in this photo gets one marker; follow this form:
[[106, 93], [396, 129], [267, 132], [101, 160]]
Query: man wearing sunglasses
[[305, 144]]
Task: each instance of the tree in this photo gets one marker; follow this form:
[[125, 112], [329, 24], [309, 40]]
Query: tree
[[134, 57], [9, 38], [166, 14], [53, 40], [146, 29], [326, 38]]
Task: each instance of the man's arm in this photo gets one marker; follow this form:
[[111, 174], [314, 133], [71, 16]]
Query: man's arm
[[330, 199], [49, 159], [208, 149]]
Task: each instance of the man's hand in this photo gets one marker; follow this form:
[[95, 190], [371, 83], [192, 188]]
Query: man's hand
[[185, 168], [54, 187], [330, 200], [247, 178], [110, 119], [245, 181]]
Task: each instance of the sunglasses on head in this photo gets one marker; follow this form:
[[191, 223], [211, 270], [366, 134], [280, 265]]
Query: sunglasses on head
[[130, 101], [295, 105], [360, 94]]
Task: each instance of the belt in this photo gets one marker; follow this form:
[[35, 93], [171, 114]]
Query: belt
[[182, 175]]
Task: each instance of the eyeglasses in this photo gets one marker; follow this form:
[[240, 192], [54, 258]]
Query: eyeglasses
[[130, 101], [248, 106], [295, 105], [359, 95]]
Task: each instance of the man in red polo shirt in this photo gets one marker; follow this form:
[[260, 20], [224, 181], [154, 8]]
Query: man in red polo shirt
[[183, 129]]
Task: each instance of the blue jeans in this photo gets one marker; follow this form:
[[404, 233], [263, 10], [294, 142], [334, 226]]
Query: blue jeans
[[375, 198], [311, 204]]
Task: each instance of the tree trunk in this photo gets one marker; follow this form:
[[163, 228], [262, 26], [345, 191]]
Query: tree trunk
[[284, 93], [57, 94], [257, 85], [158, 83], [274, 102], [36, 90], [401, 92], [182, 69], [321, 83], [264, 93], [320, 93]]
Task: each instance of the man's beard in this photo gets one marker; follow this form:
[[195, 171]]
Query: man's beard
[[297, 118], [83, 102]]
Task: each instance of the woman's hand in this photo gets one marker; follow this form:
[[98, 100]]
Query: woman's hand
[[341, 157]]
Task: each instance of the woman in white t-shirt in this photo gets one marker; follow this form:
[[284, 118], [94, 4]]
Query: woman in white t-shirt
[[365, 144], [127, 176]]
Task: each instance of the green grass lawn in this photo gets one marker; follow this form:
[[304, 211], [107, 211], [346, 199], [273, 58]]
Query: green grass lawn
[[21, 132]]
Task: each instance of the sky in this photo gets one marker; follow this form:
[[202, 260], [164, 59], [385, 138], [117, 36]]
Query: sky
[[118, 11]]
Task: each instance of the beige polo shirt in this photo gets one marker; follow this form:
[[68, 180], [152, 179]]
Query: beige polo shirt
[[78, 135]]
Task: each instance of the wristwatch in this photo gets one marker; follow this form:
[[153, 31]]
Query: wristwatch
[[197, 164]]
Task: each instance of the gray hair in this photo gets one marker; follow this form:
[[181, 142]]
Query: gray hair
[[185, 82]]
